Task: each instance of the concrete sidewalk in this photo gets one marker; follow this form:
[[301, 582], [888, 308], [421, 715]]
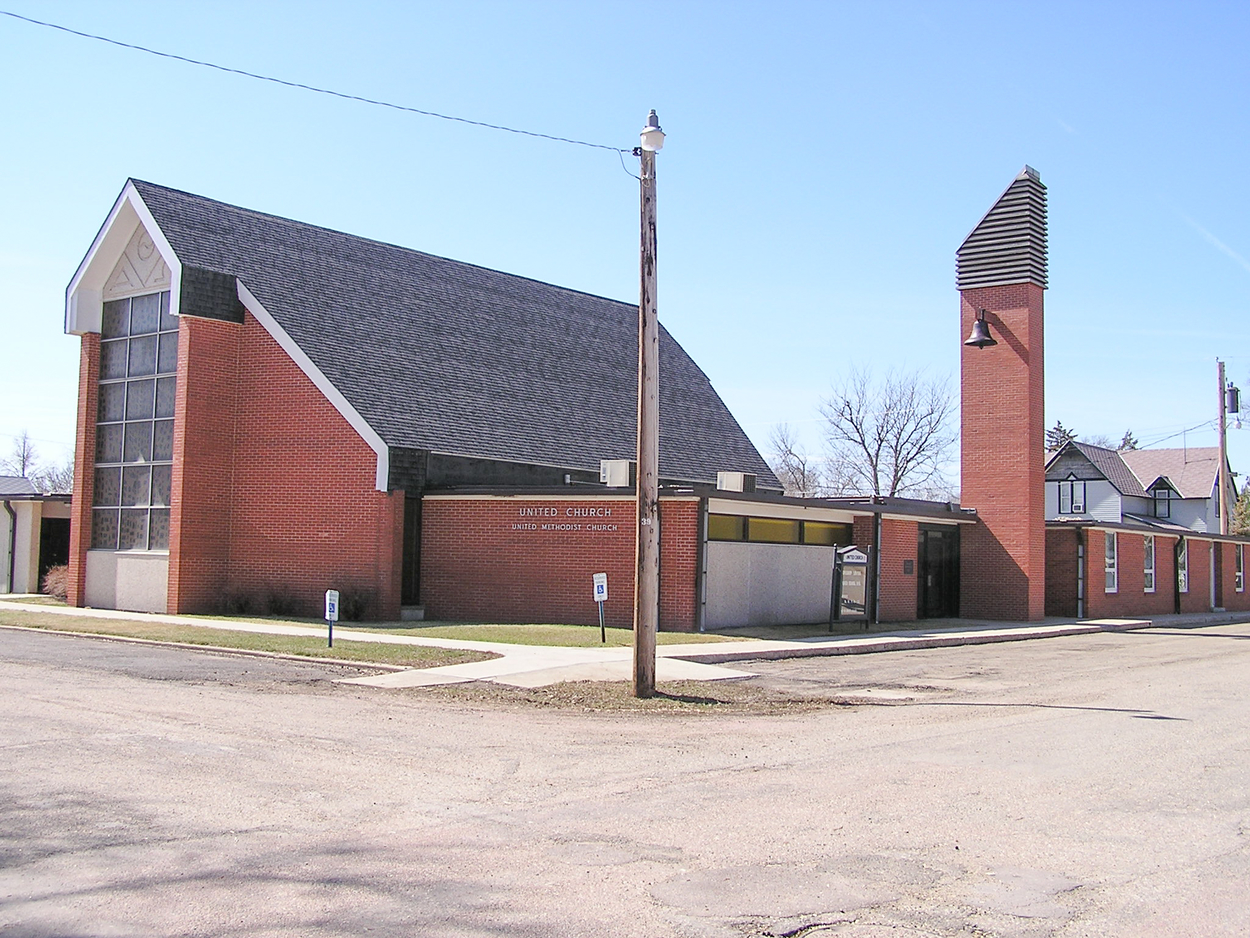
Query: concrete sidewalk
[[540, 665]]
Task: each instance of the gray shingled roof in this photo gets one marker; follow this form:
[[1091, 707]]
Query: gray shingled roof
[[448, 357], [1191, 471], [1109, 463], [16, 485]]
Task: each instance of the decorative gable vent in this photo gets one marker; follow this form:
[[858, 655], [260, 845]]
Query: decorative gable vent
[[1009, 243]]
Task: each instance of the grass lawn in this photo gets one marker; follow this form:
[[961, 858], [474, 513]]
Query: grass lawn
[[408, 656], [564, 636]]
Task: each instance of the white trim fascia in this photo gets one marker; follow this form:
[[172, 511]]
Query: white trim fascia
[[744, 508], [925, 519], [579, 496], [321, 382], [84, 295], [1159, 532]]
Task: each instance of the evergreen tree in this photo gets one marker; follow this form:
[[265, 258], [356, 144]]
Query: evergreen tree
[[1129, 441], [1239, 523], [1058, 437]]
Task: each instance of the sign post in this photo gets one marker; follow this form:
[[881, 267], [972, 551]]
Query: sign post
[[601, 597], [849, 595], [332, 613]]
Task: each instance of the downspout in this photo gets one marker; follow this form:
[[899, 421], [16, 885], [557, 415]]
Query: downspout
[[8, 508], [876, 568], [701, 567]]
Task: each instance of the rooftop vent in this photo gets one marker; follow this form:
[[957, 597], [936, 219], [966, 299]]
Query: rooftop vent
[[735, 481], [618, 473]]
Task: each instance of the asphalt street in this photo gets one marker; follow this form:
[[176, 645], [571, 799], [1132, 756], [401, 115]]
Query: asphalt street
[[1097, 785]]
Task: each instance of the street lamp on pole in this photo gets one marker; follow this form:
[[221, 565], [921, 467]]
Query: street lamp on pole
[[647, 577]]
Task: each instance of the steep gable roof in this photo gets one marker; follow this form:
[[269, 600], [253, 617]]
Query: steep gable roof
[[1107, 462], [440, 355], [1191, 471]]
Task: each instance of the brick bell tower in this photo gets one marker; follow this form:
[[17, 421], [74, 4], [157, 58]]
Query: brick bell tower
[[1001, 276]]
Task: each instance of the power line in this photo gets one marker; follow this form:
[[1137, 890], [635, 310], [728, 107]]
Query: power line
[[1199, 426], [312, 88]]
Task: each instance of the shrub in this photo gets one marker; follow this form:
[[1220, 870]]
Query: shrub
[[354, 604], [56, 582], [280, 602], [238, 603]]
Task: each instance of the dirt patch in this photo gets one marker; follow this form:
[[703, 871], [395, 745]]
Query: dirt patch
[[677, 697]]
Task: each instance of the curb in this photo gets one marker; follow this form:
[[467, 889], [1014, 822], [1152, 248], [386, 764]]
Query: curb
[[904, 643]]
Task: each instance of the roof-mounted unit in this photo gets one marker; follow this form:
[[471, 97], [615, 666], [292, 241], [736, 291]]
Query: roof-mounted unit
[[735, 481], [618, 473]]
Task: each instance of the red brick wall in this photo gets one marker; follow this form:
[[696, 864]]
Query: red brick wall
[[84, 467], [1198, 599], [1061, 572], [1130, 598], [899, 542], [1002, 426], [1232, 598], [204, 421], [492, 559], [679, 564], [273, 488]]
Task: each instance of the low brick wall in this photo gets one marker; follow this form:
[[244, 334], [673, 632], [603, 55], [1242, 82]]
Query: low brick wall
[[531, 558]]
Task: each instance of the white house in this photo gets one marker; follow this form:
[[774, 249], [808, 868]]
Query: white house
[[1159, 487]]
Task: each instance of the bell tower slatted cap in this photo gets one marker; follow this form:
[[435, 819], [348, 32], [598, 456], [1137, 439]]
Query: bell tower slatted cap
[[1009, 243]]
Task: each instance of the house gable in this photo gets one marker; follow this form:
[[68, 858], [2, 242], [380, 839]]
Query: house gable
[[1070, 462]]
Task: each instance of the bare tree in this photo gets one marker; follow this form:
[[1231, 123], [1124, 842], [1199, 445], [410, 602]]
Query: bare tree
[[1100, 439], [800, 474], [22, 461], [888, 437], [54, 479], [48, 478]]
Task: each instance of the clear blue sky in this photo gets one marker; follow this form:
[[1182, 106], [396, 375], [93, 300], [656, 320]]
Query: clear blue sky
[[823, 163]]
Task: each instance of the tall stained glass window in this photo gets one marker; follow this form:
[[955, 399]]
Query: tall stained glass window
[[135, 424]]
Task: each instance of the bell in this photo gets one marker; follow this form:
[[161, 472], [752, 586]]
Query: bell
[[980, 337]]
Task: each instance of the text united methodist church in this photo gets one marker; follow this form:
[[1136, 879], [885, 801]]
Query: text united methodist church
[[268, 408]]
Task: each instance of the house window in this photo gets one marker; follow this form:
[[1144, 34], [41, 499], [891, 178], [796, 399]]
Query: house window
[[1239, 572], [1071, 497], [1113, 580], [1182, 566], [1148, 563], [1163, 502], [134, 424]]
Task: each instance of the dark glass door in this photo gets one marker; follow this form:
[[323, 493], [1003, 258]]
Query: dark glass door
[[53, 545], [938, 572], [410, 579]]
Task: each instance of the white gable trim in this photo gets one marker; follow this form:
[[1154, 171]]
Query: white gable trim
[[321, 382], [84, 303]]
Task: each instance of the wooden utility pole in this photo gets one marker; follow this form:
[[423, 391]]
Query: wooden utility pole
[[647, 580], [1223, 474]]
